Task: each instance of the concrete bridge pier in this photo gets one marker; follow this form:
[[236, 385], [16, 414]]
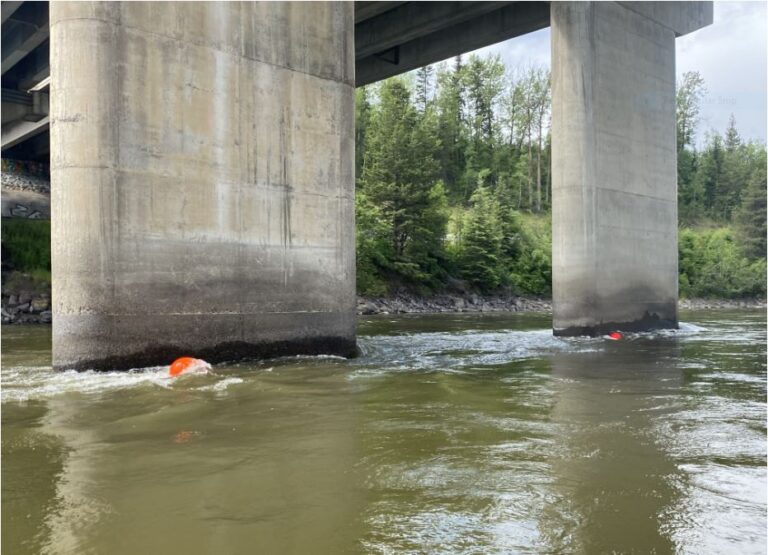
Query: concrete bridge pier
[[614, 165], [202, 166]]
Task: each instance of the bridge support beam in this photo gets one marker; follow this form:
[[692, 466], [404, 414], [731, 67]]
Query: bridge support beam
[[202, 167], [614, 184]]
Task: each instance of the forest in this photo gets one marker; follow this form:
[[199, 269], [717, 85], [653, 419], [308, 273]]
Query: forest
[[453, 187]]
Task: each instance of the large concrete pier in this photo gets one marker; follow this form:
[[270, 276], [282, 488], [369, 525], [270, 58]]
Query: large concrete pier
[[614, 165], [202, 163]]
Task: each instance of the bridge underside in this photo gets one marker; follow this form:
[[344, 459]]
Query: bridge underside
[[202, 164], [25, 72]]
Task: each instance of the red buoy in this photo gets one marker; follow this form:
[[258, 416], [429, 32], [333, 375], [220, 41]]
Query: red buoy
[[186, 364], [615, 335]]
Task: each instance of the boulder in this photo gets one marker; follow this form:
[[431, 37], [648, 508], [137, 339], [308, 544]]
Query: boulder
[[40, 304]]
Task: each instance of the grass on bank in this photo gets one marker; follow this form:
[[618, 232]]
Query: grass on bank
[[26, 255]]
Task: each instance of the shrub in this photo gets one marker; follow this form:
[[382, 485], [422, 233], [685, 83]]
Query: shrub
[[712, 265], [26, 245]]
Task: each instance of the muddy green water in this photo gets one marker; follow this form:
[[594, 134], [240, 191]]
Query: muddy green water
[[450, 434]]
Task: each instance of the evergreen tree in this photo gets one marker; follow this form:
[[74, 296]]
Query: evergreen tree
[[423, 87], [690, 196], [399, 177], [709, 172], [735, 173], [373, 249], [751, 217], [450, 128], [481, 246], [484, 81], [732, 139]]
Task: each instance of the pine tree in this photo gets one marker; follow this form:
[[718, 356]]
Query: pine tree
[[399, 177], [690, 194], [709, 172], [481, 248], [732, 139], [484, 83], [423, 87], [751, 216], [450, 128]]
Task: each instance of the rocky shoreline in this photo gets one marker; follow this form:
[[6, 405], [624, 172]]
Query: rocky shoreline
[[26, 308], [30, 308], [15, 177], [409, 304], [715, 304]]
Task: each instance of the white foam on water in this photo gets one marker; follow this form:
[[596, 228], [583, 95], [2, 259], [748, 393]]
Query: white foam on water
[[310, 357], [684, 329], [453, 351], [222, 385], [25, 383], [21, 384]]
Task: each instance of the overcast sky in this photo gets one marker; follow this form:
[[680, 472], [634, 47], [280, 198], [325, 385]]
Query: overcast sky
[[730, 54]]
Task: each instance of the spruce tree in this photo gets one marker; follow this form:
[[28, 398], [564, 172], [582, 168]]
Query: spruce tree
[[399, 177], [481, 247], [751, 216]]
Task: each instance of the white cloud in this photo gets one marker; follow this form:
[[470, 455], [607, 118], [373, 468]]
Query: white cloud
[[730, 54]]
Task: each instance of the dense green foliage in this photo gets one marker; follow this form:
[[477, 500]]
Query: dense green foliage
[[26, 255], [712, 264], [453, 180], [453, 167], [721, 203], [26, 245]]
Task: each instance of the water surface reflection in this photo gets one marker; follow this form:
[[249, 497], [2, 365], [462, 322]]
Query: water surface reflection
[[451, 434]]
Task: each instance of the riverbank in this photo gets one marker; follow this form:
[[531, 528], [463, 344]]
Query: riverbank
[[409, 304], [715, 304], [27, 307]]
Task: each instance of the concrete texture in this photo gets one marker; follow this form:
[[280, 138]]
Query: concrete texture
[[614, 168], [202, 169]]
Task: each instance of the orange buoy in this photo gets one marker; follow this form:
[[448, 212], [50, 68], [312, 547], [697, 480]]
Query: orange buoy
[[615, 335], [184, 364]]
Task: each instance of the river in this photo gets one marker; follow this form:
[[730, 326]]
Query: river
[[449, 434]]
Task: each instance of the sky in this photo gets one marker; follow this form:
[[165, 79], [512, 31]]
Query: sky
[[730, 54]]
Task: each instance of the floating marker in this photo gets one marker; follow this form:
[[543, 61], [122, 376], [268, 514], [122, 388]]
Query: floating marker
[[187, 364], [615, 335]]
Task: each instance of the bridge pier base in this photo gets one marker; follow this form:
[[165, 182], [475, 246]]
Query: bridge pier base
[[202, 166], [614, 166]]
